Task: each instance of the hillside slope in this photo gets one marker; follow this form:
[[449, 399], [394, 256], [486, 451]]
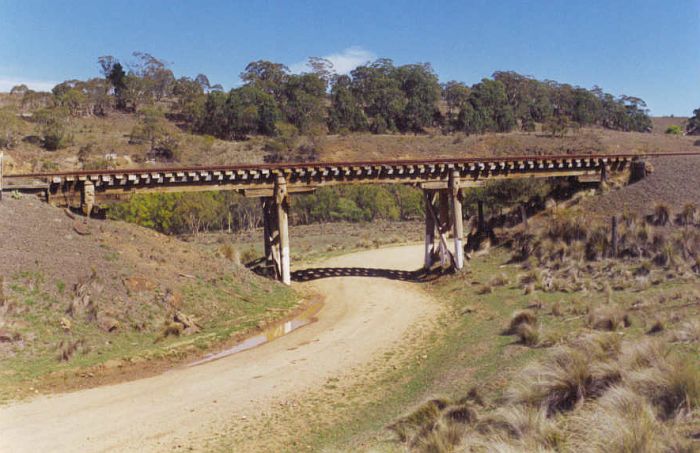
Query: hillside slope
[[78, 293], [674, 182], [100, 142]]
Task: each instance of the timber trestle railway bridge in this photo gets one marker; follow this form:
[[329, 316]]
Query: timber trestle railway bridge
[[441, 180]]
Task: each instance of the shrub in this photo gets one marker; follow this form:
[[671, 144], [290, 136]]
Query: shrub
[[9, 128], [674, 130]]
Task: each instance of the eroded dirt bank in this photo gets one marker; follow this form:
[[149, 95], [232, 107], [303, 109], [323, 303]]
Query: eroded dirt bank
[[362, 317]]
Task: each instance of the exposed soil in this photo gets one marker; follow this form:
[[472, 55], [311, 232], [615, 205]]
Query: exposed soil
[[674, 182], [66, 247]]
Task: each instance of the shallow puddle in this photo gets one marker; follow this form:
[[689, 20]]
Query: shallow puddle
[[278, 330]]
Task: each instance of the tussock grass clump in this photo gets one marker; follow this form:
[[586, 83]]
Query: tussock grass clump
[[688, 332], [232, 254], [514, 422], [425, 416], [662, 215], [519, 318], [442, 438], [528, 334], [672, 387], [608, 317], [689, 215], [436, 426], [484, 289], [248, 255], [68, 347], [499, 280], [621, 421], [563, 380], [567, 229]]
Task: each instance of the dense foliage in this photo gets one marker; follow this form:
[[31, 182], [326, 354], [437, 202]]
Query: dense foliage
[[693, 126], [191, 213], [377, 97], [380, 97]]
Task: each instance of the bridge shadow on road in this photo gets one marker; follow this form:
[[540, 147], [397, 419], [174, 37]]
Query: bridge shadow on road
[[317, 273], [417, 276]]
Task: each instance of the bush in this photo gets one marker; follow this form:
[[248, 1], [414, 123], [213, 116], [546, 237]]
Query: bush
[[9, 128], [674, 130], [54, 128]]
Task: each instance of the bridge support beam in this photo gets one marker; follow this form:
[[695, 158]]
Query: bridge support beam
[[443, 211], [282, 202], [276, 231], [87, 198], [457, 224], [269, 229]]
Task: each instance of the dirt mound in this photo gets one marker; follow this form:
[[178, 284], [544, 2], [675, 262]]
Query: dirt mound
[[35, 237], [674, 182]]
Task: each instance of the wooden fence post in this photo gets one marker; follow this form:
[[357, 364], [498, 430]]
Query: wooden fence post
[[523, 215], [613, 236], [481, 226]]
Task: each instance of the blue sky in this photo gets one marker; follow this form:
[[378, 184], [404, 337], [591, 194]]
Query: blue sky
[[650, 49]]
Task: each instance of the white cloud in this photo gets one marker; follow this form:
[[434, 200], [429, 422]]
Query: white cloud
[[6, 84], [343, 62]]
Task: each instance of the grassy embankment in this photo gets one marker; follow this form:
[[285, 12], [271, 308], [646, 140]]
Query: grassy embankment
[[61, 353]]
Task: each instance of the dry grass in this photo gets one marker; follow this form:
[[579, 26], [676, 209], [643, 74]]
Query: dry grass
[[521, 317], [609, 317], [688, 332], [594, 394], [563, 381], [621, 421]]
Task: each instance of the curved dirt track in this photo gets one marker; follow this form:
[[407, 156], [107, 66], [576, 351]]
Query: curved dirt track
[[362, 317]]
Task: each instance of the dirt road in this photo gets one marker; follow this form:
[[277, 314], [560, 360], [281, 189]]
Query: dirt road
[[362, 317]]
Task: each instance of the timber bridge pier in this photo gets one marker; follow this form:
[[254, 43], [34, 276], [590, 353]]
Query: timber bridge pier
[[441, 180]]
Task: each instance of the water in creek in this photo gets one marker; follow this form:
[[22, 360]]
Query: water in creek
[[278, 330]]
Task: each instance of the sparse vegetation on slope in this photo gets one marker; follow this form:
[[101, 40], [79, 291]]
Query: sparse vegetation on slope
[[620, 374], [85, 303]]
